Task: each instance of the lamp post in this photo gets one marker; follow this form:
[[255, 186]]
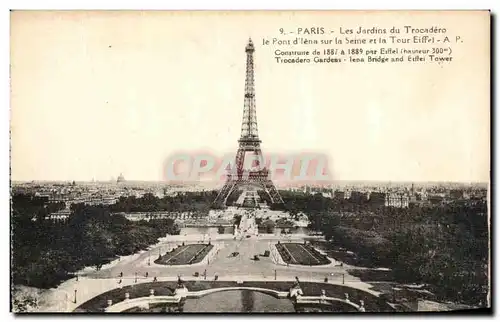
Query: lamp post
[[135, 277], [275, 274]]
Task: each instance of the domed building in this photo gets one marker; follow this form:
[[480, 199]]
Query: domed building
[[121, 178]]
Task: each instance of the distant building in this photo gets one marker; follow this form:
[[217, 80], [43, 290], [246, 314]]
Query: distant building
[[327, 194], [121, 178], [339, 195], [60, 215], [358, 197], [397, 200], [435, 199], [137, 216], [456, 194]]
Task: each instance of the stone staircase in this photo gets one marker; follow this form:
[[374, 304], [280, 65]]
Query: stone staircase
[[248, 225]]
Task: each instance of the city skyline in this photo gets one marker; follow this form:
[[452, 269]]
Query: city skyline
[[332, 183], [102, 95]]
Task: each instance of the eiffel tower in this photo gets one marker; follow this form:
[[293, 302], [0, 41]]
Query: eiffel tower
[[249, 141]]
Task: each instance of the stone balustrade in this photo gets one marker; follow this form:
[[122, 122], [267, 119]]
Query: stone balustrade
[[143, 302], [181, 293], [326, 300], [320, 297]]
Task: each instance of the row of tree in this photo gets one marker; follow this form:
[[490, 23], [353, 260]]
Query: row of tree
[[46, 252], [443, 246], [295, 202], [198, 202]]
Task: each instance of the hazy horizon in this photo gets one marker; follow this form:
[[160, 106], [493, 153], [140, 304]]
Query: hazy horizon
[[220, 182]]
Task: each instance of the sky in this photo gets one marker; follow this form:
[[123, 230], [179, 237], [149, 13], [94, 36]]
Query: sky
[[96, 94]]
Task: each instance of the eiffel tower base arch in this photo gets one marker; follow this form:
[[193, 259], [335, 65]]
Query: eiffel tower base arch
[[232, 185]]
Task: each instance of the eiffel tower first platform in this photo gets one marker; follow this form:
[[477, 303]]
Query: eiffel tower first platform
[[249, 142]]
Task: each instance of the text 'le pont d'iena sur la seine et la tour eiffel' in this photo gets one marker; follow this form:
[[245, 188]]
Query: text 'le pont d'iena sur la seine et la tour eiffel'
[[404, 44]]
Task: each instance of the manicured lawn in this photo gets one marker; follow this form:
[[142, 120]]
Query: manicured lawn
[[372, 275], [185, 255], [99, 303], [300, 254]]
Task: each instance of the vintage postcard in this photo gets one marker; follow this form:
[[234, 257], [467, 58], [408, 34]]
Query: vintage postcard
[[250, 161]]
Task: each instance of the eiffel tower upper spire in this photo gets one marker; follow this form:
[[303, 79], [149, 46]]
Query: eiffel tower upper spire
[[249, 129], [258, 175]]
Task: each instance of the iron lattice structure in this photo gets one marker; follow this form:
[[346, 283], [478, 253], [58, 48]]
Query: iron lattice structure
[[249, 141]]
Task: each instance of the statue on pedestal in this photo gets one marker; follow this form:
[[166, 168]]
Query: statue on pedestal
[[296, 291], [180, 290]]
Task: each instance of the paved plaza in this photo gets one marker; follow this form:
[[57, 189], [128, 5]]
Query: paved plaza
[[140, 268], [221, 262]]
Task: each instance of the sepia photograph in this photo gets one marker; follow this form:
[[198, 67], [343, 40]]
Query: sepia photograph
[[250, 162]]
